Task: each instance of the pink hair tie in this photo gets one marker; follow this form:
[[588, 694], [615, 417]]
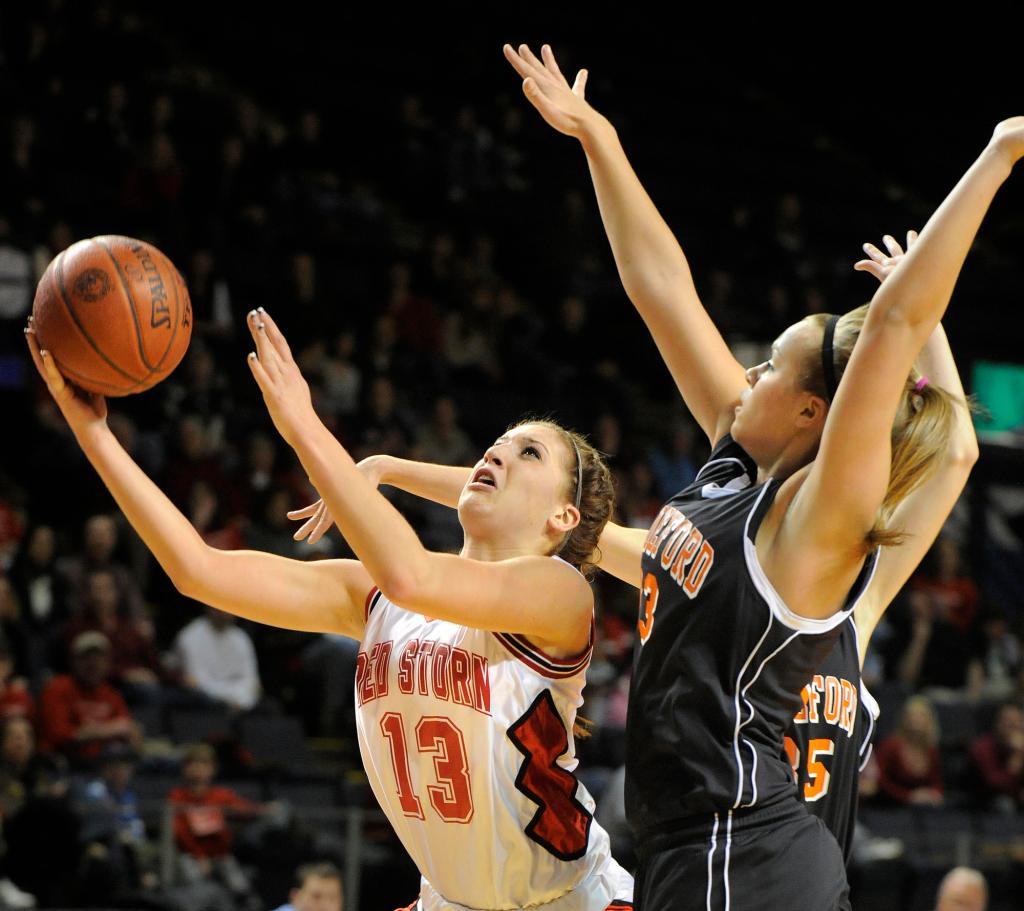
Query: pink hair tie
[[920, 384]]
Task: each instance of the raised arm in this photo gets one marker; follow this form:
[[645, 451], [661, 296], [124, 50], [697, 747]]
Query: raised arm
[[619, 548], [922, 514], [441, 484], [323, 596], [516, 595], [830, 515], [651, 264]]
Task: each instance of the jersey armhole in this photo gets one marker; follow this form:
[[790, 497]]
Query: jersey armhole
[[540, 661], [780, 610], [371, 602]]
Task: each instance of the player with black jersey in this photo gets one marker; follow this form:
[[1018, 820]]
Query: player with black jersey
[[829, 741], [749, 573]]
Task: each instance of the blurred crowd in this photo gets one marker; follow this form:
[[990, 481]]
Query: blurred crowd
[[440, 273]]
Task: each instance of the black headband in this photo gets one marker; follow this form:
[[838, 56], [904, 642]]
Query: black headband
[[828, 366]]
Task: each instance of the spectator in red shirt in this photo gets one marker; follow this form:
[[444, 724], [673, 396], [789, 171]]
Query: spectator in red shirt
[[908, 762], [201, 828], [79, 713], [15, 700], [998, 758]]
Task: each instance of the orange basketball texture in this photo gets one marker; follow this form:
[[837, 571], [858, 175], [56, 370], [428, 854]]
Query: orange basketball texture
[[114, 313]]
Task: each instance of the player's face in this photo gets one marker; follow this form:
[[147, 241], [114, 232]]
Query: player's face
[[768, 415], [521, 480]]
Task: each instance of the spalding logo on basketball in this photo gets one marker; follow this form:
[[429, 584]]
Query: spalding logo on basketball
[[114, 313]]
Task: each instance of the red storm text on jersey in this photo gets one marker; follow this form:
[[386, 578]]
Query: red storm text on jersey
[[426, 667]]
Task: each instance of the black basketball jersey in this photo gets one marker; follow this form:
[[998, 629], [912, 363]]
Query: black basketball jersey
[[829, 741], [720, 660]]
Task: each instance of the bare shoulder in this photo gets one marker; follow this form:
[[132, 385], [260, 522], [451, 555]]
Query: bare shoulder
[[563, 574], [568, 595], [810, 575]]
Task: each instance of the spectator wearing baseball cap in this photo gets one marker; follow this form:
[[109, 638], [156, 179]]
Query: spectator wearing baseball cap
[[80, 712]]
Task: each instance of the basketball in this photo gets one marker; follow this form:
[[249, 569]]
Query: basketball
[[114, 313]]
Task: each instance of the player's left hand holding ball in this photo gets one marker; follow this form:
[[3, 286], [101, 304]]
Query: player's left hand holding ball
[[85, 412], [285, 392]]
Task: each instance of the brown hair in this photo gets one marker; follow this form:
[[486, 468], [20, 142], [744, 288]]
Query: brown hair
[[597, 497], [921, 430], [321, 870]]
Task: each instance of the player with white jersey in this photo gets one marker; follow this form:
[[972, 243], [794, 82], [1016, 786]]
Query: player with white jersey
[[467, 691], [467, 740]]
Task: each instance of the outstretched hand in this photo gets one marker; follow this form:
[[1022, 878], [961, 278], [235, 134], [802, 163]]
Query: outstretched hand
[[84, 411], [285, 392], [880, 265], [562, 106], [318, 517]]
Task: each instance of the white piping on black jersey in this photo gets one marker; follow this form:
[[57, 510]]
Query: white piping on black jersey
[[736, 705], [739, 462], [728, 853], [866, 699], [743, 693], [711, 855], [868, 702], [781, 611]]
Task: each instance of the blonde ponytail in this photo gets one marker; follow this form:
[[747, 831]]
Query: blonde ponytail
[[921, 430]]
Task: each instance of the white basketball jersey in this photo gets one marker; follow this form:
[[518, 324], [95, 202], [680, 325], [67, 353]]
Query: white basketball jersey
[[466, 737]]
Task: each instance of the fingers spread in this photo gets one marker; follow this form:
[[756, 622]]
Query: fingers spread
[[911, 237], [304, 513]]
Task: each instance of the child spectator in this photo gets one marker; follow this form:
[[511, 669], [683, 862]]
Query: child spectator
[[201, 830]]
